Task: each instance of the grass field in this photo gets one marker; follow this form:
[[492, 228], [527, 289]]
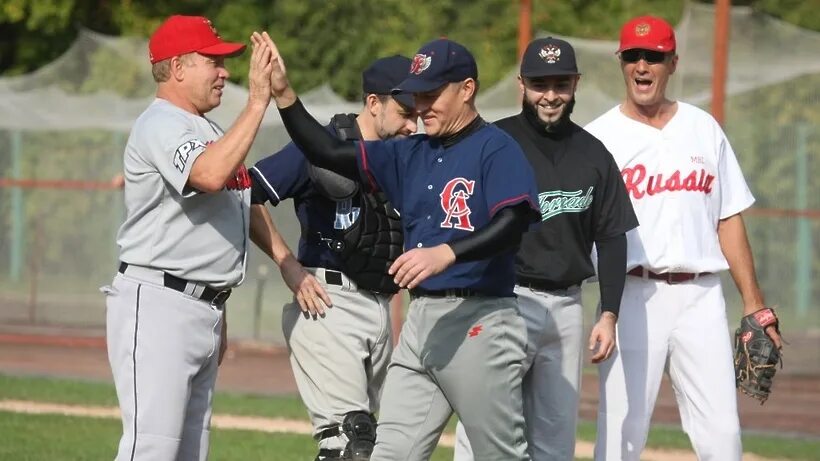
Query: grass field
[[67, 438], [49, 437]]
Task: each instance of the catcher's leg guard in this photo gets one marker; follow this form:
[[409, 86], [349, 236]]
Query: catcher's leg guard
[[360, 430]]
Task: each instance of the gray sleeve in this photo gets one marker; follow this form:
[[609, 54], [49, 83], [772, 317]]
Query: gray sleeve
[[170, 144]]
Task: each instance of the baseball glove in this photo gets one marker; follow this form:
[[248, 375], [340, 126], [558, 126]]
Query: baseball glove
[[756, 356]]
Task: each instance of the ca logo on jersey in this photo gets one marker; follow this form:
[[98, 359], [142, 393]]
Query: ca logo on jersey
[[184, 151], [454, 203]]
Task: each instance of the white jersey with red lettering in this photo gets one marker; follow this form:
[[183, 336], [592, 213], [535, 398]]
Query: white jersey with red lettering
[[680, 186], [682, 180]]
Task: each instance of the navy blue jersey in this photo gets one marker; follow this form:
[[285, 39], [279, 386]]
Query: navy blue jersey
[[444, 193], [284, 175]]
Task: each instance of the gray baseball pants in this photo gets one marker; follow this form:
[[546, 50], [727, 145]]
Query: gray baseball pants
[[456, 354], [163, 347], [555, 327], [339, 361]]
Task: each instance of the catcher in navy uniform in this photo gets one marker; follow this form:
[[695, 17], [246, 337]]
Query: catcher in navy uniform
[[349, 240]]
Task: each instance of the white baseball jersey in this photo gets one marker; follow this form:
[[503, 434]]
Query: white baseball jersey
[[170, 226], [680, 187]]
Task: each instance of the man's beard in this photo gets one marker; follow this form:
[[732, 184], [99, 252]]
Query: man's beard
[[550, 127]]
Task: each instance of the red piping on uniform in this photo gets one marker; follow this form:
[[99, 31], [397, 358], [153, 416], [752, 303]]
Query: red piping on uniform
[[373, 186], [511, 200]]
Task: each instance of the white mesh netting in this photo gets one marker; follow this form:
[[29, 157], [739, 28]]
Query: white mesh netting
[[69, 120]]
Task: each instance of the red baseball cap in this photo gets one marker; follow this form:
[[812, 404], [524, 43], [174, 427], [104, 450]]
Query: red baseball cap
[[180, 35], [647, 33]]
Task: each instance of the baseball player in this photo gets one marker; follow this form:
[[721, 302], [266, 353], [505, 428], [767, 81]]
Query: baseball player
[[465, 193], [183, 243], [349, 240], [688, 191], [583, 202]]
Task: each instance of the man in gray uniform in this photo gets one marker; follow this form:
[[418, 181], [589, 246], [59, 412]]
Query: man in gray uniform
[[184, 241], [349, 240]]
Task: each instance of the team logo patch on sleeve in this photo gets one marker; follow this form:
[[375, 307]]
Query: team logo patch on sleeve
[[241, 179], [184, 151], [454, 203]]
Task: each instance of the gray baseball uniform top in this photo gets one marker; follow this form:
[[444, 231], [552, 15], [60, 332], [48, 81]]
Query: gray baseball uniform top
[[169, 226]]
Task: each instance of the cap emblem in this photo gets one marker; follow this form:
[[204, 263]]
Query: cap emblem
[[550, 54], [420, 63], [211, 26], [642, 29]]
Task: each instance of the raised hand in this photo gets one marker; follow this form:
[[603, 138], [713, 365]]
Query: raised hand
[[280, 86], [259, 82]]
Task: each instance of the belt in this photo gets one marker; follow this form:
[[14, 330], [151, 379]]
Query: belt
[[209, 295], [446, 293], [668, 277], [543, 285], [332, 277]]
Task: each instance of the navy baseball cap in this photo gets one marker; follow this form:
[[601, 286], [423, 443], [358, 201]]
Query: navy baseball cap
[[437, 63], [384, 74], [548, 57]]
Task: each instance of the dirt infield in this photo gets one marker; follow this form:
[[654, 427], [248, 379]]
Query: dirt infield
[[263, 370]]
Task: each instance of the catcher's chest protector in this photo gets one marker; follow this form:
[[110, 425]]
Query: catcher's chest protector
[[372, 243], [375, 239]]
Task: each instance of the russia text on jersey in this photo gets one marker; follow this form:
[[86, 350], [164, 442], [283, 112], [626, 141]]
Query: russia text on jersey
[[556, 202], [697, 181]]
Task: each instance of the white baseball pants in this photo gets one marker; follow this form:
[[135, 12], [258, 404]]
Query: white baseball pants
[[680, 329]]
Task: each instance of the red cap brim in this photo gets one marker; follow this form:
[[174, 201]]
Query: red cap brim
[[223, 49]]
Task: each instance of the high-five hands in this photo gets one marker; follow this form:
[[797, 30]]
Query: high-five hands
[[259, 73], [279, 85]]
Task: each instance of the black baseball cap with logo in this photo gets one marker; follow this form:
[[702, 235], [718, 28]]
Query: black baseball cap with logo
[[548, 57]]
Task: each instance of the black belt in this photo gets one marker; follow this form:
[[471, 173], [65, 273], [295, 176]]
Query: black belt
[[446, 293], [543, 285], [333, 277], [209, 295]]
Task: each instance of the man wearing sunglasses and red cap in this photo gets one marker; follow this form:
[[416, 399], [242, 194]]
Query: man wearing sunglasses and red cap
[[183, 245], [688, 192]]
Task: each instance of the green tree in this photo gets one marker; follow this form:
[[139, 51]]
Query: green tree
[[332, 40]]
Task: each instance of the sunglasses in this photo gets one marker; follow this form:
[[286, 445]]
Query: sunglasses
[[650, 56]]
